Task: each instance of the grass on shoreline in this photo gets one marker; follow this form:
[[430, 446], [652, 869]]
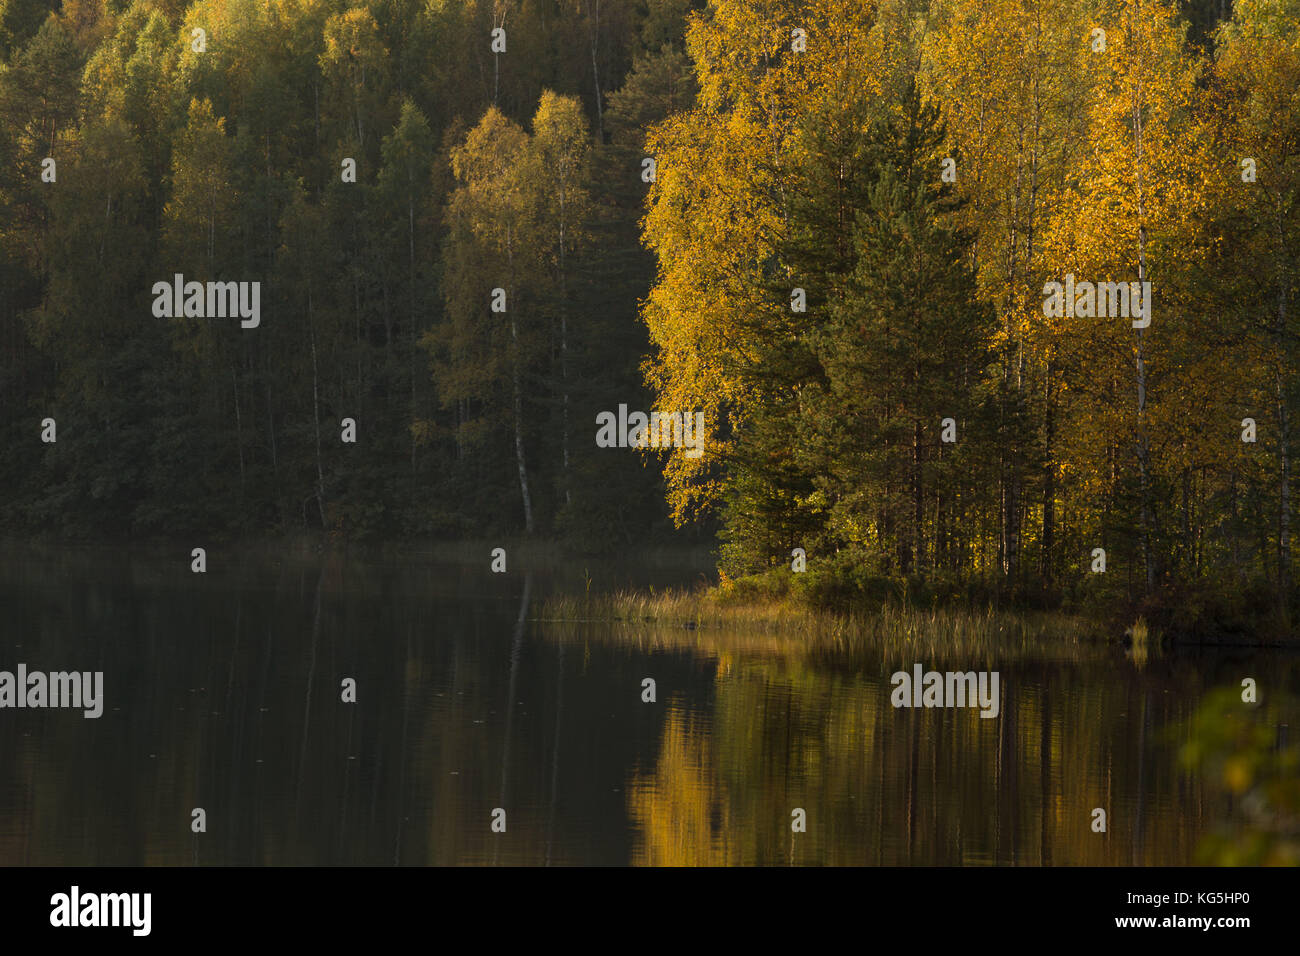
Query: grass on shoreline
[[718, 620]]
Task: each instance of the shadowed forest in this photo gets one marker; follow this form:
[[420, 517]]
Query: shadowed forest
[[830, 227]]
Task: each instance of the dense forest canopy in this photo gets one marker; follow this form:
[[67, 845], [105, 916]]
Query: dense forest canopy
[[988, 291], [841, 255], [361, 162]]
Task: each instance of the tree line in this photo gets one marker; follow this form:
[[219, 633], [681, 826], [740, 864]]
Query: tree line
[[855, 228], [840, 260], [379, 168]]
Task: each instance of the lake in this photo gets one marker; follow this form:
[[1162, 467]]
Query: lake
[[223, 691]]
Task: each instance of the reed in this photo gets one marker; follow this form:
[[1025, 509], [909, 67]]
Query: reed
[[706, 619]]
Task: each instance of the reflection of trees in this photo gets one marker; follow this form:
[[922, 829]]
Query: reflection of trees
[[223, 720], [886, 786], [679, 807], [516, 645]]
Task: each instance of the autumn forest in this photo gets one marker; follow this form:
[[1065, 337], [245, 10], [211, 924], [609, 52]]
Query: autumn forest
[[977, 298]]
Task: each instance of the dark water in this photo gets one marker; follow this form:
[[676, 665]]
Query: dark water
[[222, 691]]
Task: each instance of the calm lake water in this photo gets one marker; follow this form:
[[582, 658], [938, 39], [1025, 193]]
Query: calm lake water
[[222, 691]]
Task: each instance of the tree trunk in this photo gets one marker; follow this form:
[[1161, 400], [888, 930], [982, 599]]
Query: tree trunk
[[410, 251], [595, 71], [564, 352], [517, 390], [1284, 427], [315, 405], [519, 434], [1143, 442], [1049, 480], [918, 501]]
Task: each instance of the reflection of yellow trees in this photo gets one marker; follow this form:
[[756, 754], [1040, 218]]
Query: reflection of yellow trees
[[887, 786], [678, 808]]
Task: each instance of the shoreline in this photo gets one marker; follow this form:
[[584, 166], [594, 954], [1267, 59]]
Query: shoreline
[[704, 597]]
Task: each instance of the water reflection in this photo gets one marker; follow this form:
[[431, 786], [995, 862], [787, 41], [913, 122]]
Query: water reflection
[[224, 692], [886, 786]]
